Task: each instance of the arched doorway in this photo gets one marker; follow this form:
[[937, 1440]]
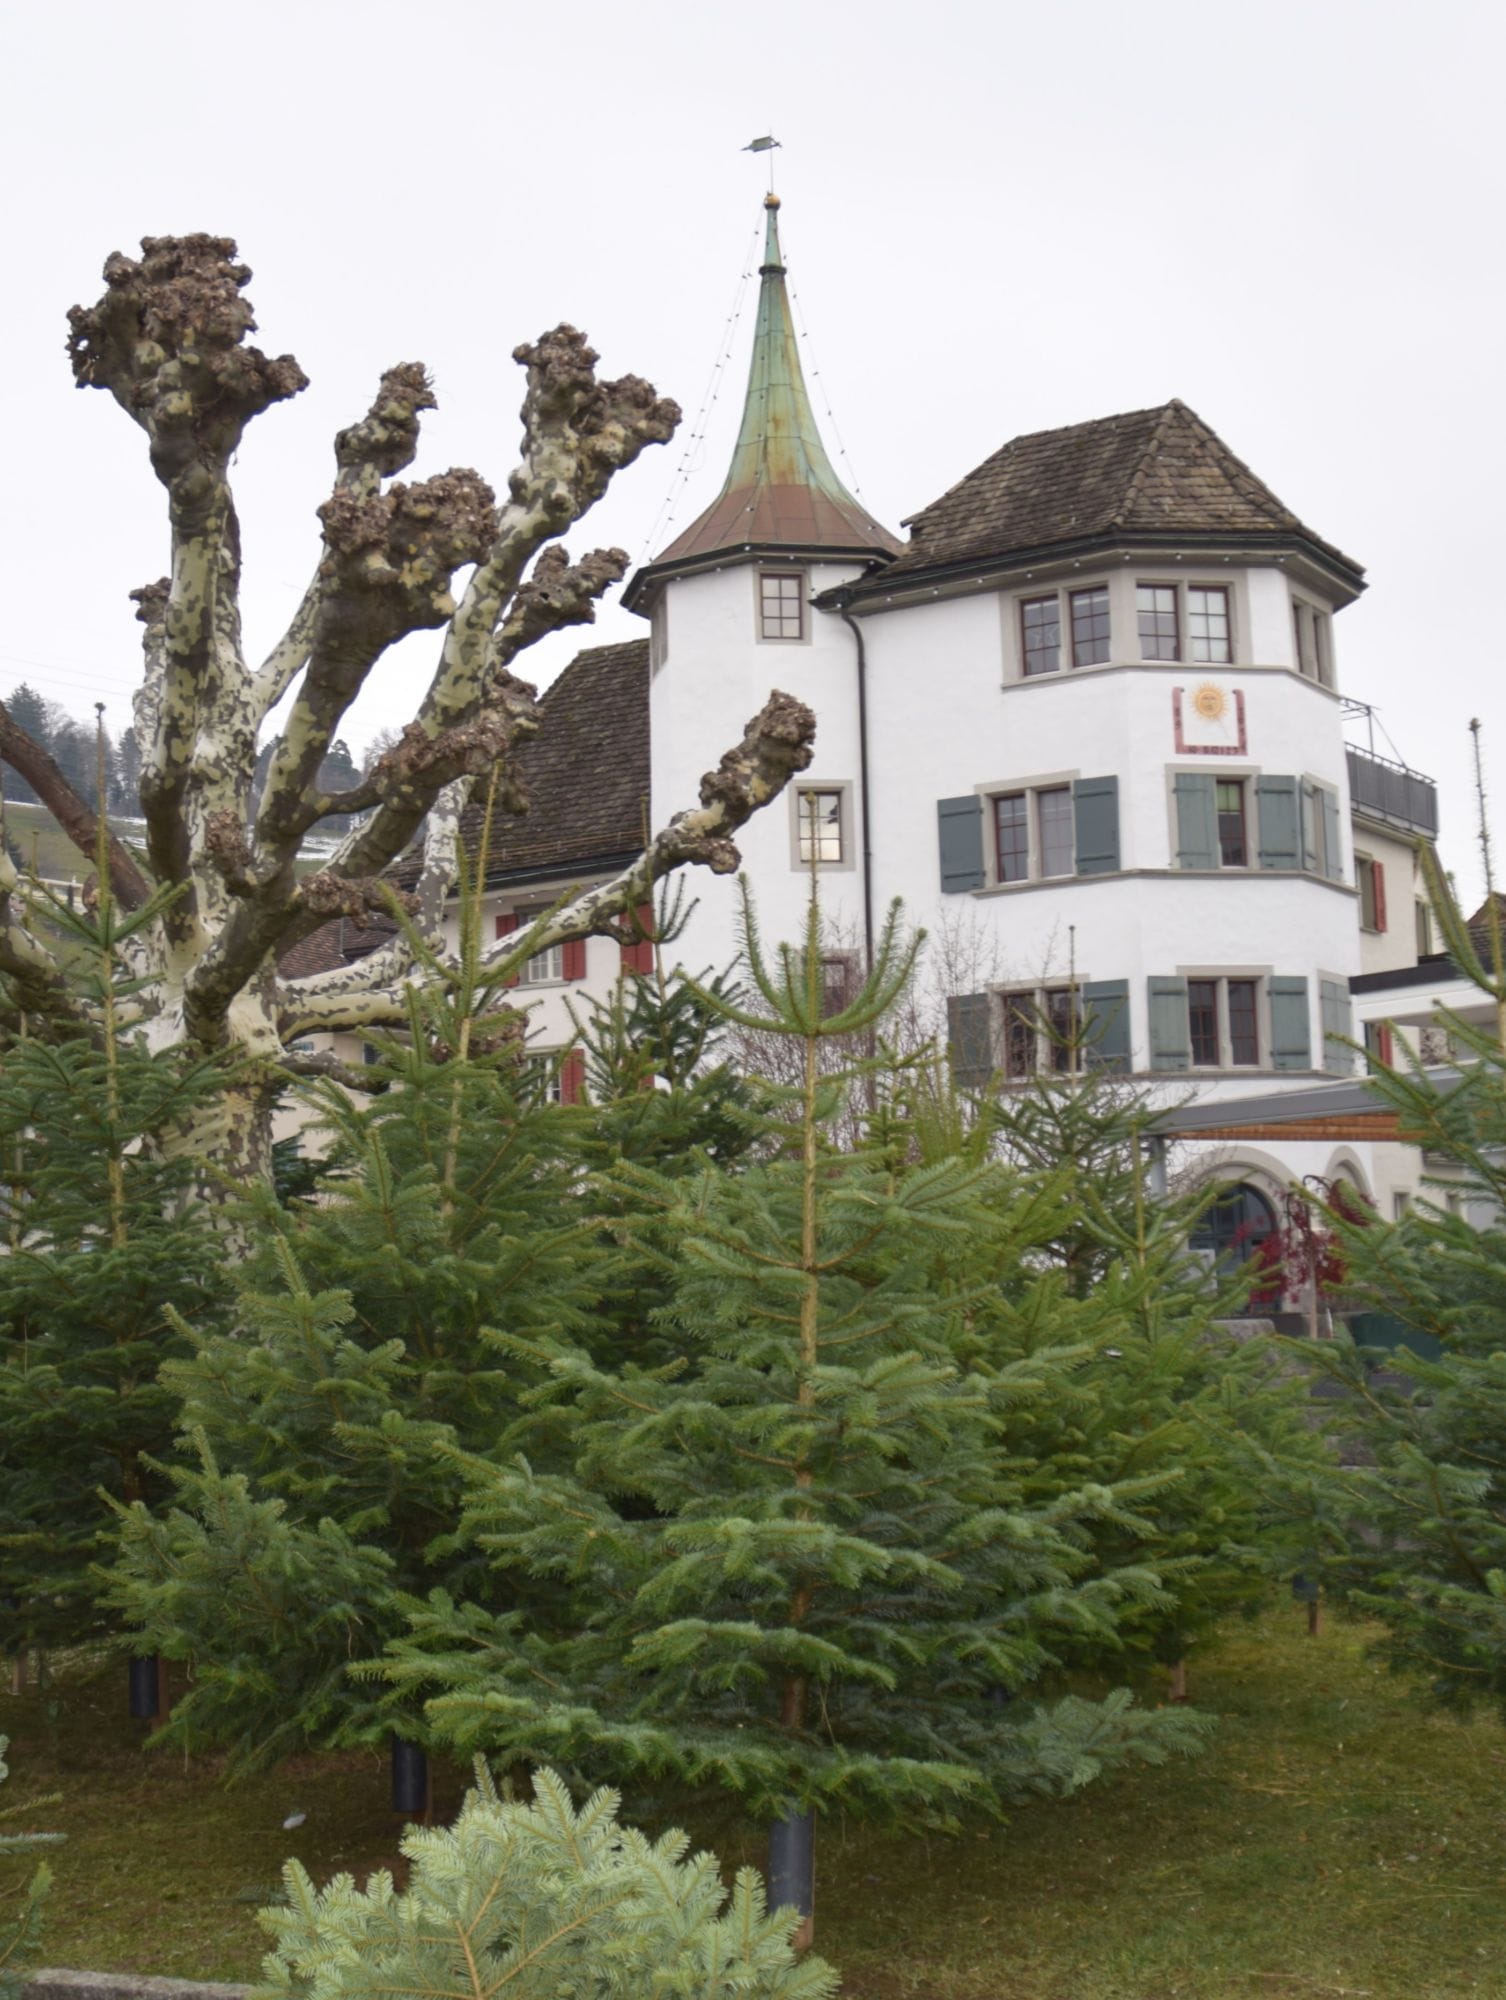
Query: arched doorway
[[1239, 1227]]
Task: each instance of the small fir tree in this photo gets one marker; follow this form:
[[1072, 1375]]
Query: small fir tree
[[544, 1903], [324, 1432], [23, 1891], [102, 1243], [794, 1563], [1415, 1526]]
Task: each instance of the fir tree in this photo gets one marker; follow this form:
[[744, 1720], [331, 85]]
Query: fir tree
[[794, 1563], [663, 1090], [100, 1245], [21, 1898], [323, 1433], [1166, 1392], [544, 1902], [1415, 1526]]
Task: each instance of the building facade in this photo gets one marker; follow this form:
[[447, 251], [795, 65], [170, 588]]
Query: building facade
[[1087, 721]]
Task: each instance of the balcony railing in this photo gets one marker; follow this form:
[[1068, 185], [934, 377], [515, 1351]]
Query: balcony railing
[[1391, 792]]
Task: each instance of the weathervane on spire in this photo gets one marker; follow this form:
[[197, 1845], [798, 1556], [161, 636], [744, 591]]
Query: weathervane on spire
[[767, 144]]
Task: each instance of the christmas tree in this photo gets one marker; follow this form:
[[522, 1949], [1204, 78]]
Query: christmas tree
[[1415, 1526], [796, 1562], [102, 1243], [544, 1902], [325, 1431]]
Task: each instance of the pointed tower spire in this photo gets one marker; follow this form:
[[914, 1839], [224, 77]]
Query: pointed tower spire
[[781, 494]]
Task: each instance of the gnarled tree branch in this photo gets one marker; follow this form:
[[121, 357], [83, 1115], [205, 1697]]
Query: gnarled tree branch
[[77, 819]]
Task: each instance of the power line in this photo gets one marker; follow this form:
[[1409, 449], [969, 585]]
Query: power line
[[815, 374], [690, 461]]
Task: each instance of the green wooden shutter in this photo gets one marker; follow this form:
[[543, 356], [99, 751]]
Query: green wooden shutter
[[959, 826], [1197, 821], [969, 1023], [1095, 809], [1280, 831], [1332, 846], [1291, 1030], [1106, 1024], [1312, 817], [1170, 1042], [1338, 1024]]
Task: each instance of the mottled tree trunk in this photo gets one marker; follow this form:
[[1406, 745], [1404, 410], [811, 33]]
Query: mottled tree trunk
[[220, 898]]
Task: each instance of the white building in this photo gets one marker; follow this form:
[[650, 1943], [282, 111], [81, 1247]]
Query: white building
[[1087, 719]]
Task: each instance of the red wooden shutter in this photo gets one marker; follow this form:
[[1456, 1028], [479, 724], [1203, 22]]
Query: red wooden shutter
[[639, 955], [573, 1077], [1385, 1048], [507, 923], [573, 958], [1378, 874]]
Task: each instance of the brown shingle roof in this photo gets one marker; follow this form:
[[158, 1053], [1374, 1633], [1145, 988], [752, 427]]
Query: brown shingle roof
[[586, 772], [1156, 473]]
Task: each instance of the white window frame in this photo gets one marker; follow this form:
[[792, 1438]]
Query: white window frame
[[1312, 641], [544, 1065], [1063, 592], [544, 968], [1182, 586], [843, 788], [802, 579]]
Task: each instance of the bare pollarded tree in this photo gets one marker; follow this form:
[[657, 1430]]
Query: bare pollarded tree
[[169, 341]]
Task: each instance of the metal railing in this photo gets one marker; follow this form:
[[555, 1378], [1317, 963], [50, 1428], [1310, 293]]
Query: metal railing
[[1392, 792]]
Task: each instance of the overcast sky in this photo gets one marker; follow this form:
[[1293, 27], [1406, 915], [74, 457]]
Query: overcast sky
[[996, 220]]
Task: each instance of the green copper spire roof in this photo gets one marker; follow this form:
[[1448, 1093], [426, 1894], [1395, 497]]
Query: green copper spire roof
[[781, 491]]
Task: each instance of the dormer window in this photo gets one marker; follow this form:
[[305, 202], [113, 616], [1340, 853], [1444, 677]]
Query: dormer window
[[781, 604]]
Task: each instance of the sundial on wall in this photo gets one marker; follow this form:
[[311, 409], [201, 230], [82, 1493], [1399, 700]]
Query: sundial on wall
[[1208, 720]]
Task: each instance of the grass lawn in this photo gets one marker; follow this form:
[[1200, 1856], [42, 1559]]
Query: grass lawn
[[1334, 1840]]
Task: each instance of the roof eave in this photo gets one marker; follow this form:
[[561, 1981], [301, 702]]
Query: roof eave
[[643, 584], [925, 580]]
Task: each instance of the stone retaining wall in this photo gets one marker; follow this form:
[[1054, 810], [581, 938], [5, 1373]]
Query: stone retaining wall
[[56, 1983]]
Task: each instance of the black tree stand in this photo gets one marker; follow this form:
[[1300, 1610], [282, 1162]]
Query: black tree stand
[[412, 1794], [792, 1871], [146, 1682]]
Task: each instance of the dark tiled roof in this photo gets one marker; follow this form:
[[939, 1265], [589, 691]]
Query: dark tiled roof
[[319, 952], [586, 772], [1158, 472], [333, 945]]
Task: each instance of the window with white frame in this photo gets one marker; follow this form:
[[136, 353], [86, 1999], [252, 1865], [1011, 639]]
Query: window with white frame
[[1229, 797], [781, 604], [1040, 1031], [544, 967], [1312, 643], [1209, 635], [1034, 834], [545, 1075], [1157, 621], [1185, 621], [818, 822], [1223, 1023], [1041, 634], [1058, 627]]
